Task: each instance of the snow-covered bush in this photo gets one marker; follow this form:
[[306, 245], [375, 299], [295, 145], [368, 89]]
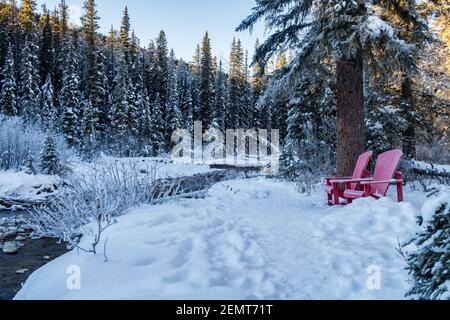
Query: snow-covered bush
[[429, 264], [50, 157], [307, 163], [95, 198], [20, 142]]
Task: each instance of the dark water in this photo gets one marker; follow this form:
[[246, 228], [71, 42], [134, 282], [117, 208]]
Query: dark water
[[32, 256]]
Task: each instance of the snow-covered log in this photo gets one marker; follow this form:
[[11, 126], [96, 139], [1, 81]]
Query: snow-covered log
[[426, 169]]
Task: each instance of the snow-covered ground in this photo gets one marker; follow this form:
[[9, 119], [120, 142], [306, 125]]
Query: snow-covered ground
[[248, 239], [17, 185], [24, 187]]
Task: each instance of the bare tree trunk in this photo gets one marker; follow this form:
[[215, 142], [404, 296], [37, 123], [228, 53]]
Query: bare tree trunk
[[350, 113], [409, 135]]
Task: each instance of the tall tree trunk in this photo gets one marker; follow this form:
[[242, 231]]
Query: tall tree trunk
[[350, 113], [409, 135]]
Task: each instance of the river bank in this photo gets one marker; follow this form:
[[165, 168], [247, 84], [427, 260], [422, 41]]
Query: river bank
[[32, 254]]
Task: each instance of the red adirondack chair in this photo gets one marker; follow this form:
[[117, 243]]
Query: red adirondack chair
[[385, 174], [360, 172]]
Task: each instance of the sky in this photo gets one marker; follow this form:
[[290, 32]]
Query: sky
[[184, 21]]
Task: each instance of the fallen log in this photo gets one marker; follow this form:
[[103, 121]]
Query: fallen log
[[189, 186], [7, 203], [430, 170]]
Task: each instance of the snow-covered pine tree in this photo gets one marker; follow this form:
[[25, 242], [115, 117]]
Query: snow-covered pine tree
[[100, 96], [246, 97], [197, 61], [233, 118], [161, 70], [46, 51], [206, 83], [119, 111], [8, 95], [29, 164], [185, 85], [124, 36], [48, 111], [88, 130], [221, 102], [257, 77], [95, 85], [429, 265], [157, 125], [310, 145], [173, 114], [49, 161], [70, 98], [29, 82], [144, 119], [345, 32]]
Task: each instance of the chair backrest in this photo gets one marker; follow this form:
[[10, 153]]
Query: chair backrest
[[361, 167], [387, 164]]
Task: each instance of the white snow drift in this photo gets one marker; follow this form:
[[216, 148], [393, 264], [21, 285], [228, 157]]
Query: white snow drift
[[248, 239]]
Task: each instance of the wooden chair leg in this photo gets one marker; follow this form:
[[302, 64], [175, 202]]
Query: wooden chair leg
[[400, 192], [330, 199], [336, 194]]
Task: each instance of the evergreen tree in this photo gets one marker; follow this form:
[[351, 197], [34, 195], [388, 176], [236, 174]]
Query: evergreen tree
[[257, 78], [125, 35], [144, 122], [70, 98], [161, 70], [173, 114], [88, 132], [46, 52], [343, 31], [221, 102], [48, 112], [119, 116], [234, 115], [50, 162], [185, 85], [206, 83], [64, 18], [29, 164], [8, 95], [29, 82], [90, 27], [100, 95], [157, 125], [149, 72], [197, 61], [429, 265]]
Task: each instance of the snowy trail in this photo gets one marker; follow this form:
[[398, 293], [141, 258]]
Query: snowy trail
[[248, 239]]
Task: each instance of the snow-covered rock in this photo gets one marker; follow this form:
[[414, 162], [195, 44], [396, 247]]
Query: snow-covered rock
[[10, 248]]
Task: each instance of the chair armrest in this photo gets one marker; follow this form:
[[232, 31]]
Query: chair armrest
[[381, 182], [338, 178], [351, 180]]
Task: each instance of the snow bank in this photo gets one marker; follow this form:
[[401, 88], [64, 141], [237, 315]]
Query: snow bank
[[248, 239], [25, 187]]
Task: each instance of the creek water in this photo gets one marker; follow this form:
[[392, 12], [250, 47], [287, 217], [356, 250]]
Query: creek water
[[33, 255]]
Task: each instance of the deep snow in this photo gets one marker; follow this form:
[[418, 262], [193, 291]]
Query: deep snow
[[248, 239], [16, 185]]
